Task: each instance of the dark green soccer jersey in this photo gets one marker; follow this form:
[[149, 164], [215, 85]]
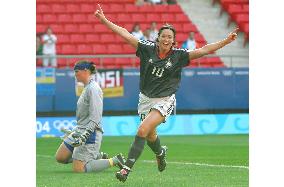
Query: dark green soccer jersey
[[160, 77]]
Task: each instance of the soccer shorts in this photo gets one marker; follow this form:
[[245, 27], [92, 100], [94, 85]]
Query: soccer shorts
[[88, 151], [164, 105]]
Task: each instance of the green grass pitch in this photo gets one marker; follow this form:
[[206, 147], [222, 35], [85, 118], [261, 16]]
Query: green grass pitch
[[197, 161]]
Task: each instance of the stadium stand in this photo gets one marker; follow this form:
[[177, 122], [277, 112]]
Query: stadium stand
[[79, 32], [238, 11]]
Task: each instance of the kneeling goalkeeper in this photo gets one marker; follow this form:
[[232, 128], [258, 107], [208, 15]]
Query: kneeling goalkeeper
[[81, 146]]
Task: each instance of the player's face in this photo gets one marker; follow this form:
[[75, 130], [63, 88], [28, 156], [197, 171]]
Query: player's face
[[81, 75], [166, 40]]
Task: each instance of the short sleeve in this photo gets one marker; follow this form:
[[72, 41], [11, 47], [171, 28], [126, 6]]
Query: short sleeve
[[184, 57], [143, 47]]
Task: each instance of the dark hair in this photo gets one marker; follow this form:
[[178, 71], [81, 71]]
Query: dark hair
[[167, 26], [134, 25], [88, 65], [48, 27]]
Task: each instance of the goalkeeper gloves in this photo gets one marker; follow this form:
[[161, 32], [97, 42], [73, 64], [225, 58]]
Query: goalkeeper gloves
[[80, 138]]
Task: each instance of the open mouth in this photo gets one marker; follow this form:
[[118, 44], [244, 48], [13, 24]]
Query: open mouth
[[166, 43]]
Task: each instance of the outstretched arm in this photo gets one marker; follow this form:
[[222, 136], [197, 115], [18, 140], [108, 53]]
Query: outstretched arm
[[129, 38], [209, 48]]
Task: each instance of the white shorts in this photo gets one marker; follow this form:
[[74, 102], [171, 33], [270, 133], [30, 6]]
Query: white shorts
[[164, 105]]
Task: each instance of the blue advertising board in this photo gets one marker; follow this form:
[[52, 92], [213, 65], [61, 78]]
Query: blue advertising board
[[196, 124], [200, 89]]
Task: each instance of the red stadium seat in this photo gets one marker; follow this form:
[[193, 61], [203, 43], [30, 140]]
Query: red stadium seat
[[127, 49], [137, 62], [39, 18], [106, 8], [125, 62], [118, 39], [69, 49], [64, 18], [235, 8], [79, 18], [100, 28], [77, 38], [246, 8], [175, 9], [92, 19], [178, 27], [152, 17], [72, 8], [114, 49], [108, 62], [138, 18], [146, 9], [88, 8], [49, 18], [40, 28], [180, 37], [161, 9], [113, 16], [107, 38], [92, 38], [86, 28], [85, 49], [168, 18], [128, 26], [63, 39], [240, 18], [117, 8], [187, 27], [58, 8], [199, 38], [43, 8], [62, 63], [71, 28], [123, 18], [57, 28], [131, 8], [181, 18], [100, 49]]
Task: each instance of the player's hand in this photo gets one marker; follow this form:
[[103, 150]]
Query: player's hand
[[66, 132], [78, 139], [100, 14], [233, 35]]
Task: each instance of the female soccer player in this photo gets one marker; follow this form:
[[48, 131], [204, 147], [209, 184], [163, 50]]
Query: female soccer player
[[160, 72], [83, 144]]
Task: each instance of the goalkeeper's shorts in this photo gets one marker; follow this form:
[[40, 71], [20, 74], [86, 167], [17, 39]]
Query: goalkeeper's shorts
[[90, 150]]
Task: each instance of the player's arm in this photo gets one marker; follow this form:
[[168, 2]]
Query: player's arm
[[129, 38], [209, 48]]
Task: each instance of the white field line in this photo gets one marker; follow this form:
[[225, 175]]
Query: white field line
[[200, 164], [178, 163]]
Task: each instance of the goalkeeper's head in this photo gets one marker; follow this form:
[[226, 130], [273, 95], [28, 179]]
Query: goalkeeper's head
[[83, 70]]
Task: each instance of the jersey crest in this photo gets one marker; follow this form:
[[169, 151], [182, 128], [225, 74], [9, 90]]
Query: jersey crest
[[168, 63]]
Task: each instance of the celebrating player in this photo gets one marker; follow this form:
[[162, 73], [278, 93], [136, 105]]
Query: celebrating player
[[82, 145], [161, 64]]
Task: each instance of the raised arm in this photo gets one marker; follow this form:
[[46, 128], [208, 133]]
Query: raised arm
[[129, 38], [209, 48]]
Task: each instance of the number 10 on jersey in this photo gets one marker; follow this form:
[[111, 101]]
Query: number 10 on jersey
[[158, 72]]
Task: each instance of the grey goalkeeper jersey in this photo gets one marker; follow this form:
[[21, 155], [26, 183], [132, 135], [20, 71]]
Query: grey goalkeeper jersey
[[90, 108]]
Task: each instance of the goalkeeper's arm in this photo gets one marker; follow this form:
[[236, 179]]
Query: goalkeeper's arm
[[95, 116]]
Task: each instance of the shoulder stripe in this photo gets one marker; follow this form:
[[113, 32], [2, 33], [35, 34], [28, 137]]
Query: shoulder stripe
[[180, 49], [146, 42]]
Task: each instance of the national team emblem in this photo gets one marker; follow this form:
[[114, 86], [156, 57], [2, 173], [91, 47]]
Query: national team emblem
[[150, 61], [169, 63]]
